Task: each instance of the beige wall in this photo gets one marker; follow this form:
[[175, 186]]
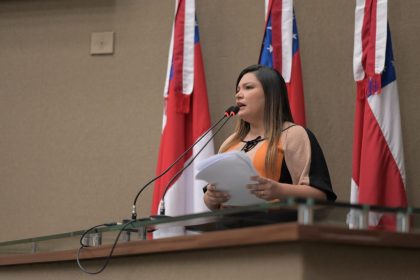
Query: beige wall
[[80, 133]]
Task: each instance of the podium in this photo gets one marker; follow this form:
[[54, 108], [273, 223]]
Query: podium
[[284, 240]]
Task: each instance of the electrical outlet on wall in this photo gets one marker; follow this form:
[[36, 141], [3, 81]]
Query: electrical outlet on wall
[[102, 43]]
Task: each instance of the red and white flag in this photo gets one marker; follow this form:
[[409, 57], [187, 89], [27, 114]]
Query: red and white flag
[[378, 160], [280, 50], [185, 118]]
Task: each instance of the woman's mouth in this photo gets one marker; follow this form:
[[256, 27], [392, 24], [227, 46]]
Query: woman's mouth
[[240, 105]]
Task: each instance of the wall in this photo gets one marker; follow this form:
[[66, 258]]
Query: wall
[[80, 133]]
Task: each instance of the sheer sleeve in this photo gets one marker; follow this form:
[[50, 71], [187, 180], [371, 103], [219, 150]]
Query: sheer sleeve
[[226, 142], [304, 161]]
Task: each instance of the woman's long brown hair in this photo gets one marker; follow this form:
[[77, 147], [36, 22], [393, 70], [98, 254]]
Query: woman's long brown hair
[[276, 112]]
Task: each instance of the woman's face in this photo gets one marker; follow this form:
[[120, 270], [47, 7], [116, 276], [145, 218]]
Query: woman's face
[[250, 99]]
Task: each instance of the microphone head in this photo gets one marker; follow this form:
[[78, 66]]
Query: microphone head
[[229, 111], [234, 111]]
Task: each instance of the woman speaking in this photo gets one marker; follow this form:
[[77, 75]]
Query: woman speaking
[[287, 157]]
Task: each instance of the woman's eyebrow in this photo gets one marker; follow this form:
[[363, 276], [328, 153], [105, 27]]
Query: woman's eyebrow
[[247, 83]]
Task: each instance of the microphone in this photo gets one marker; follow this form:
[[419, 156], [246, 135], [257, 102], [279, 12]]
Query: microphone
[[229, 112], [233, 112]]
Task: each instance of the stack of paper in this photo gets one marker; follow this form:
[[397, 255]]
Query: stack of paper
[[230, 172]]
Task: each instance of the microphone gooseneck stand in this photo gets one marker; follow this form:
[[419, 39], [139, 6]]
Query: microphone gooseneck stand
[[231, 111], [228, 114], [162, 202]]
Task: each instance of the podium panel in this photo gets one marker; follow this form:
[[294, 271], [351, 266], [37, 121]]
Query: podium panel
[[289, 240]]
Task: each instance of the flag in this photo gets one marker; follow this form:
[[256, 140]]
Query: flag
[[185, 118], [280, 50], [378, 176]]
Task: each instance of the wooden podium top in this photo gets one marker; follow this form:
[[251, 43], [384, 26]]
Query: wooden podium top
[[250, 236]]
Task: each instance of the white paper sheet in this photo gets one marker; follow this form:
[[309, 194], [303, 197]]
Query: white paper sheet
[[230, 172]]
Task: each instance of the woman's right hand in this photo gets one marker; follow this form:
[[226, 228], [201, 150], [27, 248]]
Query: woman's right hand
[[214, 198]]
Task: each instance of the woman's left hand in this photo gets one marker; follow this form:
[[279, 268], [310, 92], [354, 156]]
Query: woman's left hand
[[264, 188]]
